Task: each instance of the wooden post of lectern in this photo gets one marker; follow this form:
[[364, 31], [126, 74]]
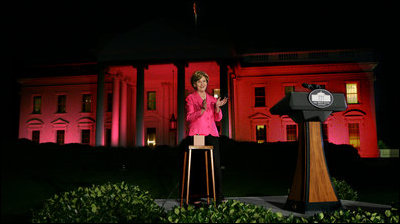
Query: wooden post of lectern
[[311, 188]]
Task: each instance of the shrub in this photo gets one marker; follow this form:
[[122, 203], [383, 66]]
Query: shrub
[[108, 203], [121, 202], [234, 211], [356, 216], [231, 211], [344, 190]]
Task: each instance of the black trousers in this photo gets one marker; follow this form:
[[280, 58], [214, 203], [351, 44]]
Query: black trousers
[[198, 184]]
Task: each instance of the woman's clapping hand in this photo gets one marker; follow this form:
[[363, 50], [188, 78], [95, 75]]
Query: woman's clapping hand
[[220, 102]]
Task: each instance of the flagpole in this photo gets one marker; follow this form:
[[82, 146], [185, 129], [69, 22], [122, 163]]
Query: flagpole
[[195, 16]]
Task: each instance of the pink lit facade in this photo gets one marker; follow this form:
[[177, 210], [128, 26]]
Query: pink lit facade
[[355, 126], [68, 104]]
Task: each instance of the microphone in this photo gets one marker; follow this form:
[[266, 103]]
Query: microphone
[[307, 86], [311, 86]]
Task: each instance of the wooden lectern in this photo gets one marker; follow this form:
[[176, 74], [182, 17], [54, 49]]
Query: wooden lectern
[[312, 189], [198, 144]]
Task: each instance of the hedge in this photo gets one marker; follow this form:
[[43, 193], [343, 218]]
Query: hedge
[[121, 202]]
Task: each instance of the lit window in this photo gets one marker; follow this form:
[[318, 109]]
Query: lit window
[[354, 135], [259, 93], [85, 136], [216, 93], [352, 93], [291, 132], [86, 103], [151, 137], [61, 103], [37, 104], [151, 100], [261, 133], [60, 137], [36, 136]]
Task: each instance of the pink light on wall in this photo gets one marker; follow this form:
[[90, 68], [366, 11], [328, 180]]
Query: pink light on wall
[[162, 79], [274, 79], [210, 67], [49, 120]]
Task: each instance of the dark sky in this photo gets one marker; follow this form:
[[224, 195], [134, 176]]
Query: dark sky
[[43, 32]]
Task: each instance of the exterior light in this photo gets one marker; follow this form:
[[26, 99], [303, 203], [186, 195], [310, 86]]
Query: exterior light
[[172, 123]]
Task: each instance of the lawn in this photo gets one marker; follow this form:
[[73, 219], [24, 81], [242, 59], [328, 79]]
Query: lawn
[[32, 173]]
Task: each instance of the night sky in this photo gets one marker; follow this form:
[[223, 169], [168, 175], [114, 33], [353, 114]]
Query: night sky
[[43, 32]]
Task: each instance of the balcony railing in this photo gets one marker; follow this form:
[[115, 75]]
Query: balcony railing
[[345, 55]]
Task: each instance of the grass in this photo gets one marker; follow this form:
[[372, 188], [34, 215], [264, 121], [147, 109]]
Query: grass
[[31, 174]]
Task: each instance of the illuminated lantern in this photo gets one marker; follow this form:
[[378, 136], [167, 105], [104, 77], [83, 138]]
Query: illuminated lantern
[[172, 123]]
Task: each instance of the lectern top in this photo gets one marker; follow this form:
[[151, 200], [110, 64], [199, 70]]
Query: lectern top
[[300, 101], [300, 106]]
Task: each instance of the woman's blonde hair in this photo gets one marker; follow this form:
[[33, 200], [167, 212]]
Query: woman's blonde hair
[[197, 75]]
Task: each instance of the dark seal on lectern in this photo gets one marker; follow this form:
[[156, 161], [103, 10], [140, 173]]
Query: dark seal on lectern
[[320, 98]]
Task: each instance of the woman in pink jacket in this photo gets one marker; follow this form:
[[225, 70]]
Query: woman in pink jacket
[[202, 111]]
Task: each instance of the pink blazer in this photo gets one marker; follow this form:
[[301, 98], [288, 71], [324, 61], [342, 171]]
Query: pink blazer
[[202, 124]]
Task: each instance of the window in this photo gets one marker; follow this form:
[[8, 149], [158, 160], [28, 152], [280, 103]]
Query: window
[[37, 104], [151, 137], [259, 93], [289, 89], [261, 133], [36, 136], [60, 137], [85, 136], [109, 102], [351, 93], [354, 135], [291, 132], [61, 103], [216, 93], [86, 103], [151, 100]]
